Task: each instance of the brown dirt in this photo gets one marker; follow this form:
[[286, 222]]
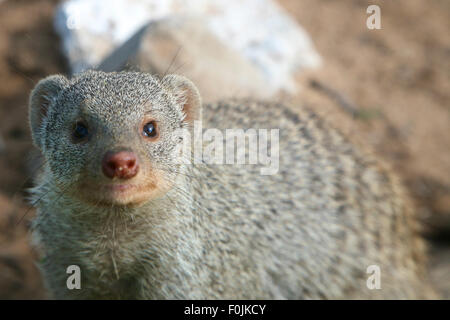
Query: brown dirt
[[397, 78], [29, 50]]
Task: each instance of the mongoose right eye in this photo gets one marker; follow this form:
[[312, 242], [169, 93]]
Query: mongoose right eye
[[149, 130], [80, 131]]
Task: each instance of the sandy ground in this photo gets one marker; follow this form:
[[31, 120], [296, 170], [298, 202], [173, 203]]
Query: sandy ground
[[395, 81]]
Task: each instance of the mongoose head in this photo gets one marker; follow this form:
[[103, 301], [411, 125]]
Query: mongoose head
[[113, 138]]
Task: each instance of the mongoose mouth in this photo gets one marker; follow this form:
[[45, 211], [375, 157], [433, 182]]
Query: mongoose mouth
[[124, 193], [118, 188], [118, 194]]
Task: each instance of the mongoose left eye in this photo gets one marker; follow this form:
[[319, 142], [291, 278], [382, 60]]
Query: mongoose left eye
[[149, 130], [80, 131]]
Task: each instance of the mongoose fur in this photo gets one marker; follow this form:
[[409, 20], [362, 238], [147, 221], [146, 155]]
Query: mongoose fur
[[200, 231]]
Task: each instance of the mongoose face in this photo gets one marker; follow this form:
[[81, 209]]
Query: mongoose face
[[108, 141]]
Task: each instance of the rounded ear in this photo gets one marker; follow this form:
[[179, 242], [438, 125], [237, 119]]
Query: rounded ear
[[42, 95], [187, 95]]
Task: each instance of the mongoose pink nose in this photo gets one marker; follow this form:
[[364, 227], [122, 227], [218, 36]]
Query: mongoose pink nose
[[122, 165]]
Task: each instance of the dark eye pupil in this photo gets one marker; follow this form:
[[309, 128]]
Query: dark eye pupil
[[80, 131], [149, 130]]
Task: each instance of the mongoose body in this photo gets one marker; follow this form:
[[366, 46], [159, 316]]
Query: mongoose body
[[159, 230]]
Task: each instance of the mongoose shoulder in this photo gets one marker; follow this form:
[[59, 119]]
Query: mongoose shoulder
[[114, 199]]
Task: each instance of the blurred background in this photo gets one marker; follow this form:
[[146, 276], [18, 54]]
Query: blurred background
[[390, 88]]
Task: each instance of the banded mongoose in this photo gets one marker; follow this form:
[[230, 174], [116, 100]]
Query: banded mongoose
[[113, 199]]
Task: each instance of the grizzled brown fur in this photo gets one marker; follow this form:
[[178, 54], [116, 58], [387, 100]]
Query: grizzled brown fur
[[212, 231]]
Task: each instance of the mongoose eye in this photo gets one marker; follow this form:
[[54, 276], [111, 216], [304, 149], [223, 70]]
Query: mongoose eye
[[80, 131], [149, 130]]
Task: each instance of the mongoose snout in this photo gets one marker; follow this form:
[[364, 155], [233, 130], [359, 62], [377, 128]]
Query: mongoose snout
[[121, 165]]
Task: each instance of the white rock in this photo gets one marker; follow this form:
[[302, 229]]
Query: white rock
[[183, 45], [258, 29]]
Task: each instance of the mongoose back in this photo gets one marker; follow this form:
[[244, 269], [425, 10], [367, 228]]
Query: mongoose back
[[114, 199]]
